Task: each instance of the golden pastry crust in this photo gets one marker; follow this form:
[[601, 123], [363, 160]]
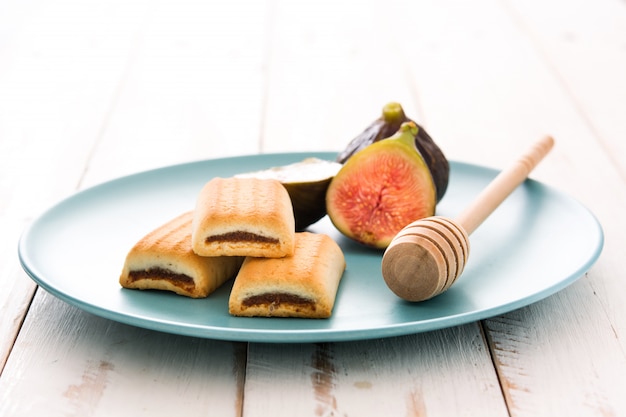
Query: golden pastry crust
[[303, 285], [243, 217], [164, 260]]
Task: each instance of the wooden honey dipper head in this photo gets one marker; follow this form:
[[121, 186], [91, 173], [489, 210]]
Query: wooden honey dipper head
[[427, 256]]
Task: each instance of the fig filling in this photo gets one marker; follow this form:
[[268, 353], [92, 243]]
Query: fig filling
[[180, 280], [277, 298], [241, 236]]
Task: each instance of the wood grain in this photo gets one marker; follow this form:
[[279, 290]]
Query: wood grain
[[68, 362], [530, 346], [576, 39], [399, 376], [63, 73], [192, 91], [332, 68], [92, 90], [539, 101]]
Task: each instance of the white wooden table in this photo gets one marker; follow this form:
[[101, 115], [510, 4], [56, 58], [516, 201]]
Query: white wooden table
[[93, 90]]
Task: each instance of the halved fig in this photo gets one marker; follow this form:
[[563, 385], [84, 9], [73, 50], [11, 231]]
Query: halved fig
[[382, 188]]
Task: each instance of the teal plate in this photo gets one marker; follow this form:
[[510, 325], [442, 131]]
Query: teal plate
[[536, 243]]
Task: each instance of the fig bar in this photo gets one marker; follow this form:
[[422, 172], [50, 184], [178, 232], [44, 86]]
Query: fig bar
[[303, 285], [243, 217], [164, 260]]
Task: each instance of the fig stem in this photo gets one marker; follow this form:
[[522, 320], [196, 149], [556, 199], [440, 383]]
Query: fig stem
[[409, 127], [393, 113]]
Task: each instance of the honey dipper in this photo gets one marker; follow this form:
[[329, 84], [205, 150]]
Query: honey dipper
[[427, 256]]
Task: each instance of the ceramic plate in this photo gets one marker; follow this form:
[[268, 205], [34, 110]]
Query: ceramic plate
[[536, 243]]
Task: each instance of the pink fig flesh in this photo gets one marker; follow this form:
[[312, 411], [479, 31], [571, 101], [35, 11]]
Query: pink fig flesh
[[380, 190]]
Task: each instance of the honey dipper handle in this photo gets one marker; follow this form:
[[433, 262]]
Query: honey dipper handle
[[503, 185]]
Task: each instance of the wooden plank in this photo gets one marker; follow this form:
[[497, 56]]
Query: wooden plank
[[194, 89], [561, 356], [331, 70], [547, 354], [563, 42], [584, 45], [491, 63], [59, 75], [17, 289], [183, 94], [71, 363], [475, 74], [441, 373]]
